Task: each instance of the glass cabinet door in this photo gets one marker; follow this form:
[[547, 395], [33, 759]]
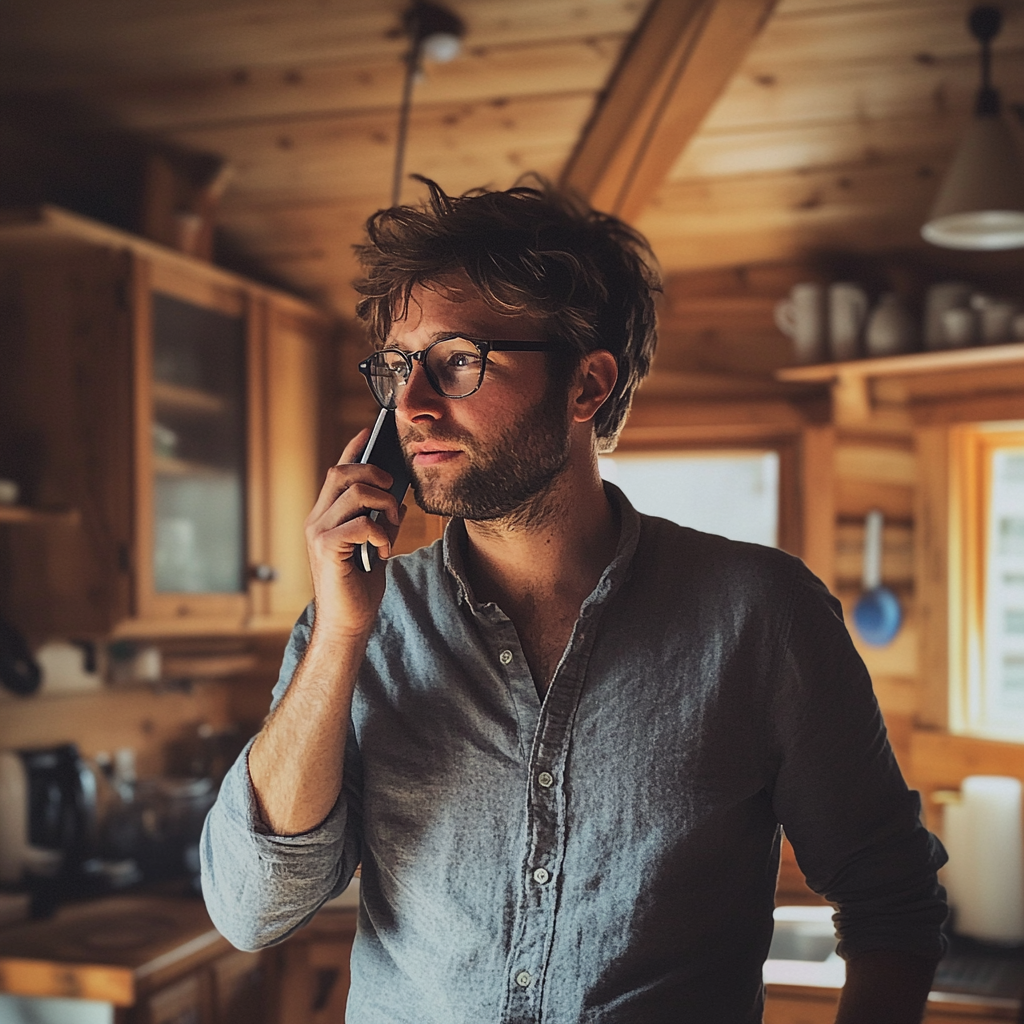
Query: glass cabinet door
[[198, 448], [193, 455]]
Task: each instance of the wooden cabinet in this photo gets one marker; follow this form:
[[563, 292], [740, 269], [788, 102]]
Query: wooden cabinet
[[173, 407], [314, 970], [182, 1002]]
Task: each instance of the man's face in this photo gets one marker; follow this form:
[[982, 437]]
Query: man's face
[[482, 457]]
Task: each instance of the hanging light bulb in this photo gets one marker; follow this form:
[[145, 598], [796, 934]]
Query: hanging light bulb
[[436, 32], [981, 202]]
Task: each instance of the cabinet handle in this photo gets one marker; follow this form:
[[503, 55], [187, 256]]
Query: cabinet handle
[[264, 573]]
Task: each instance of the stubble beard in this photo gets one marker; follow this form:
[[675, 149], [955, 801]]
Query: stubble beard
[[507, 478]]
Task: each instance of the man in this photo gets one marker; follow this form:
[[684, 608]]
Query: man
[[561, 742]]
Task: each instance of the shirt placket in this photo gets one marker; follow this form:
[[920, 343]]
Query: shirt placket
[[533, 928]]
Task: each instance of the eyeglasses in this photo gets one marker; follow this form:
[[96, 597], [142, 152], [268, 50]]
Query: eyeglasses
[[454, 366]]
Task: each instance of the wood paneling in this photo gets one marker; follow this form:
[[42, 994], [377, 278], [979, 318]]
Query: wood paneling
[[73, 47], [331, 156], [362, 85], [830, 135]]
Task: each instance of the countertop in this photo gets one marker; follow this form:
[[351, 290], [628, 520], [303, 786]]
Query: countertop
[[107, 949], [116, 948], [973, 980]]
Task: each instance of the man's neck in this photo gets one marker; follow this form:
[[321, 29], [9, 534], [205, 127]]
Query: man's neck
[[555, 553]]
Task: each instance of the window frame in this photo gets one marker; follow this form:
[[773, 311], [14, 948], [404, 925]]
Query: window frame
[[970, 499]]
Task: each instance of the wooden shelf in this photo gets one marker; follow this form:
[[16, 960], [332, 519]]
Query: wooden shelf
[[955, 385], [907, 365], [191, 401], [23, 514]]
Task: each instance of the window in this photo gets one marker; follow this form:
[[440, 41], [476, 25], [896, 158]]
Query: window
[[734, 493], [987, 582]]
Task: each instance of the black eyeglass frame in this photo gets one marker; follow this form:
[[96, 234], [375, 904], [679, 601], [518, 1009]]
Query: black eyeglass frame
[[485, 346]]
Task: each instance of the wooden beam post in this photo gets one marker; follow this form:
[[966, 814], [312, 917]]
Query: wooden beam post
[[677, 65]]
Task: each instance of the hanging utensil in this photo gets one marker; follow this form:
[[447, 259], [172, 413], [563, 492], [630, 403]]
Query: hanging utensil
[[877, 614]]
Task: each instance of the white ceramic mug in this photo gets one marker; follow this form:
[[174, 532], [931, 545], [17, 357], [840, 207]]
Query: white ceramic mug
[[942, 296], [890, 329], [996, 319], [959, 326], [847, 314], [9, 492], [801, 316]]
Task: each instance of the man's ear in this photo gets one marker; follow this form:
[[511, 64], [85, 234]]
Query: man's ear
[[595, 377]]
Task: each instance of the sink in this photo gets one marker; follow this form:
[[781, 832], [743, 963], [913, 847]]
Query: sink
[[803, 952], [803, 949]]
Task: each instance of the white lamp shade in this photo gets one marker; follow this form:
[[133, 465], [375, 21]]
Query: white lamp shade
[[981, 203]]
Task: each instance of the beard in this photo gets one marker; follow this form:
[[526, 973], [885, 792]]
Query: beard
[[505, 475]]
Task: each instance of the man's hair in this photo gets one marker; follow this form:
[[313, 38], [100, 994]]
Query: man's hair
[[537, 251]]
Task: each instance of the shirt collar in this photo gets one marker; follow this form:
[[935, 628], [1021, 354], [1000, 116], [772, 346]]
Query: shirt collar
[[629, 536]]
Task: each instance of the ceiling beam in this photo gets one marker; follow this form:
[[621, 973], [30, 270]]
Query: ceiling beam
[[681, 58]]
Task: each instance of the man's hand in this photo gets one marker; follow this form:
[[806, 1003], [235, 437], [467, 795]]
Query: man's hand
[[347, 598]]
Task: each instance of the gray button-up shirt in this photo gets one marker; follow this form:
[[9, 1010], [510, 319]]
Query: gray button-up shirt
[[609, 853]]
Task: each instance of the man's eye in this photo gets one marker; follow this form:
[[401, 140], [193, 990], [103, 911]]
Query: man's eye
[[462, 360]]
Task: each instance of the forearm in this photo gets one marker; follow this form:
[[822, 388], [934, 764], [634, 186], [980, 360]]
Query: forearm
[[296, 761], [885, 986]]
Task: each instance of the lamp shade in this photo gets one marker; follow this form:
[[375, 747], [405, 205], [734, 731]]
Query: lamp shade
[[981, 202]]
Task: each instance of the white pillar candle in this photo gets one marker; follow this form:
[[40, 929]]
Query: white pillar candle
[[985, 835]]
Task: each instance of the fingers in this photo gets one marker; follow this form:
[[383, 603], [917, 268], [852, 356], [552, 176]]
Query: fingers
[[346, 537], [347, 472], [357, 499]]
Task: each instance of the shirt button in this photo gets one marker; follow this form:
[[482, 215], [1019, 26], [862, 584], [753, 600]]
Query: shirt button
[[546, 780], [540, 876], [505, 657], [523, 979]]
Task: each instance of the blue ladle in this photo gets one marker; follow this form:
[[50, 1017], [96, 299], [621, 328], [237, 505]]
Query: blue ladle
[[877, 614]]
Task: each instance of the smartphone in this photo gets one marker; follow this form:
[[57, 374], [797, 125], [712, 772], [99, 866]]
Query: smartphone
[[383, 450]]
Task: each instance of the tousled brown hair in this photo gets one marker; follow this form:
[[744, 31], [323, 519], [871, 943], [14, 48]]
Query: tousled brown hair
[[536, 251]]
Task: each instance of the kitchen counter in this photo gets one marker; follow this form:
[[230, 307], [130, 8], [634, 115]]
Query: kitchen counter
[[108, 949], [803, 976], [156, 956]]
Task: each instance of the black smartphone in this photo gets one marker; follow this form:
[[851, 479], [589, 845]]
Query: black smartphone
[[383, 450]]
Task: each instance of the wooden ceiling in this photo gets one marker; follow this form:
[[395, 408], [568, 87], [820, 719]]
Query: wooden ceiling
[[830, 135]]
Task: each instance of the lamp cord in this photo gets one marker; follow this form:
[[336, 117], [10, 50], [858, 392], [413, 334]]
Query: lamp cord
[[412, 67], [984, 24]]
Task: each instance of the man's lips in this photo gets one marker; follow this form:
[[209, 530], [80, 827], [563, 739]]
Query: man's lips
[[432, 454]]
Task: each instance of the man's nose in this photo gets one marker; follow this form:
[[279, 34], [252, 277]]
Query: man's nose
[[417, 399]]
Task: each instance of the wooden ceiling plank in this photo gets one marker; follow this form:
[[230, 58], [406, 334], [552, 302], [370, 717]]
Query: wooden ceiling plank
[[227, 98], [65, 43], [717, 222], [465, 145], [837, 146], [873, 33], [680, 60]]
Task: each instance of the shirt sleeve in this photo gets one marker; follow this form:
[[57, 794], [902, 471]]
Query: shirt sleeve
[[839, 794], [258, 887]]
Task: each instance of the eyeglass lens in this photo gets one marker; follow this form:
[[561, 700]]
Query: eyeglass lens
[[454, 367]]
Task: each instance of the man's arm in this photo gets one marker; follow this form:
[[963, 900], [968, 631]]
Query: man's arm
[[296, 762], [279, 840], [885, 987], [854, 825]]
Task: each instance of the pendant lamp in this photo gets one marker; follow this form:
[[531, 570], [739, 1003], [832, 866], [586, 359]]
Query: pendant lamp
[[981, 202]]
